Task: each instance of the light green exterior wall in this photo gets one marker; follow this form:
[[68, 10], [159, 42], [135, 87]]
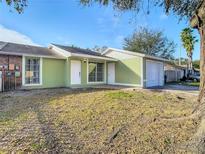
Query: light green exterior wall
[[144, 73], [57, 72], [84, 74], [67, 72], [129, 71], [53, 73]]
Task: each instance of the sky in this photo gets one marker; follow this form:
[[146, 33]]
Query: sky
[[66, 22]]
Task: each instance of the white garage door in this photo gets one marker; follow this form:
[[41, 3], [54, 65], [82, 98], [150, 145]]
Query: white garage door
[[154, 73]]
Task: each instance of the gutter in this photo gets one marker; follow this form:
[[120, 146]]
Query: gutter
[[91, 56]]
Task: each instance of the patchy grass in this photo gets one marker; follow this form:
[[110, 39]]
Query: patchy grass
[[187, 83], [120, 95], [65, 121], [196, 84]]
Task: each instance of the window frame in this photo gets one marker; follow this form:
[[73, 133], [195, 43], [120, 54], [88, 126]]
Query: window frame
[[104, 73], [24, 71]]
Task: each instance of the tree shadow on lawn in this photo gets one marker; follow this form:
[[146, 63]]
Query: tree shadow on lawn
[[56, 138]]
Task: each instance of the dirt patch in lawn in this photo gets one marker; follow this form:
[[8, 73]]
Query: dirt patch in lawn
[[93, 121]]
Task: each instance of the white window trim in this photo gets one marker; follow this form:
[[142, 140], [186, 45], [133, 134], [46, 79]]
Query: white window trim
[[104, 79], [23, 72]]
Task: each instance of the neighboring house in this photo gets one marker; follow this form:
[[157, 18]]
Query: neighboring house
[[196, 71], [174, 72], [27, 66]]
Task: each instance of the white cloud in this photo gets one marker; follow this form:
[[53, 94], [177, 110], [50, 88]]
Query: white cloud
[[9, 35]]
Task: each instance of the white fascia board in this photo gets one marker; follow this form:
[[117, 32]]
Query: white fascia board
[[59, 50], [123, 51], [133, 53], [157, 58], [29, 55], [106, 51], [91, 56]]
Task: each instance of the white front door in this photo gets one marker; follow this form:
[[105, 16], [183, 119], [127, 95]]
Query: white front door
[[75, 72], [154, 73], [111, 73]]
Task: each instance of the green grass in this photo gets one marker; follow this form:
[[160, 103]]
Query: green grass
[[62, 121], [195, 84]]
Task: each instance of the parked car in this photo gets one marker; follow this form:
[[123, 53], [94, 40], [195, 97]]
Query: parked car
[[195, 77]]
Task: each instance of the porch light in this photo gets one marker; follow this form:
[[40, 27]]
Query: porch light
[[84, 60]]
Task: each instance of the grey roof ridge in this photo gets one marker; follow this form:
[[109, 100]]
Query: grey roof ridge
[[63, 47], [28, 45], [3, 45]]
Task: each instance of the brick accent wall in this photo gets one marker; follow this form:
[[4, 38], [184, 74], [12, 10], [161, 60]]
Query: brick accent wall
[[13, 61]]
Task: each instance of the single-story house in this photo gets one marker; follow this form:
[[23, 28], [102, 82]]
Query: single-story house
[[174, 72], [26, 66]]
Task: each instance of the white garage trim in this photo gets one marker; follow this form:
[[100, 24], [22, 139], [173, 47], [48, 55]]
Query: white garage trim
[[154, 73]]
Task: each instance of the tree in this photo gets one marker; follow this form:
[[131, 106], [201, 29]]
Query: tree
[[192, 10], [196, 64], [182, 8], [188, 41], [99, 49], [18, 5], [151, 42], [183, 61]]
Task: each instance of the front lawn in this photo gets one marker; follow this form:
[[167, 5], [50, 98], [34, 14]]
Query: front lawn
[[93, 121]]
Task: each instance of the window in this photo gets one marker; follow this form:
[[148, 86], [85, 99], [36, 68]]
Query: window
[[32, 71], [96, 72]]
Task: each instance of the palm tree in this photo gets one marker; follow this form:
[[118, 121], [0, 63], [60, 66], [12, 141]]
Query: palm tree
[[188, 41]]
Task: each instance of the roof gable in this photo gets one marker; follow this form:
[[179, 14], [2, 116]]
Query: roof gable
[[79, 52], [110, 50], [21, 49]]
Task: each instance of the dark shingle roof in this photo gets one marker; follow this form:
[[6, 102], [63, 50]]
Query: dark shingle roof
[[21, 49], [79, 50]]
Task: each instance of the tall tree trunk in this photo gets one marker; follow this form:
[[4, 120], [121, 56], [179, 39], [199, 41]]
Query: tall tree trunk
[[190, 63], [199, 138], [202, 64]]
